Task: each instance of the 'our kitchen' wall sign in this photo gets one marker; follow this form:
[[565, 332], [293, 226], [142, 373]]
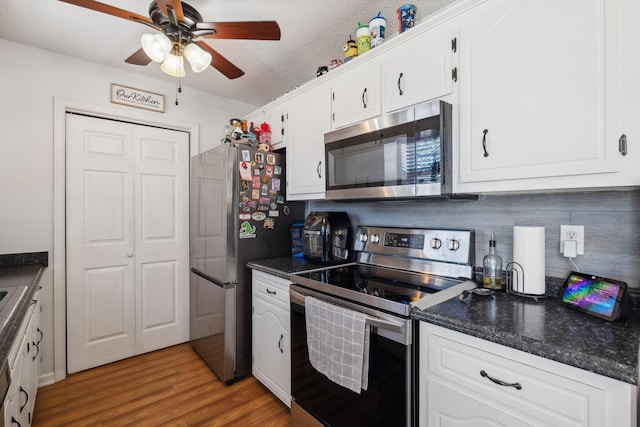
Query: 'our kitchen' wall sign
[[137, 98]]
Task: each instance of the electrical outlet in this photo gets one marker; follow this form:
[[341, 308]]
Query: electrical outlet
[[573, 233]]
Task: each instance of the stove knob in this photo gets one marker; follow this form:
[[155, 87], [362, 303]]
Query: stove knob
[[436, 243], [375, 238], [363, 238], [454, 245]]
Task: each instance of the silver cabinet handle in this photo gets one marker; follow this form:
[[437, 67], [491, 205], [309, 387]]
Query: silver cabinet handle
[[517, 386]]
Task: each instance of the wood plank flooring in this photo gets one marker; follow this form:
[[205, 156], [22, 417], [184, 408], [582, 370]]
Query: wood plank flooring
[[169, 387]]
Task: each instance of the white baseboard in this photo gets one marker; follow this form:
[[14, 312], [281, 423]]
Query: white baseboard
[[46, 379]]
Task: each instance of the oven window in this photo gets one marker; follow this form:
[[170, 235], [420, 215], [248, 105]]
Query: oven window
[[383, 404]]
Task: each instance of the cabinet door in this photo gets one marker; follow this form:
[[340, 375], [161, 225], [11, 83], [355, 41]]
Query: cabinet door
[[356, 94], [534, 90], [270, 334], [419, 69], [272, 352], [275, 118], [306, 127]]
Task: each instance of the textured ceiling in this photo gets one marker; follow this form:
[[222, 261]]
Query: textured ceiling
[[313, 33]]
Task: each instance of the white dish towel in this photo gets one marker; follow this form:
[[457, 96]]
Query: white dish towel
[[338, 342]]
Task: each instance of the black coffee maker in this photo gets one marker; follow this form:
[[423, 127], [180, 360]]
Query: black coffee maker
[[326, 236]]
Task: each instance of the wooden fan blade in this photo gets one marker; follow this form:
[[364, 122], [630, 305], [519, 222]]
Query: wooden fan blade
[[138, 58], [175, 4], [111, 10], [221, 63], [248, 30]]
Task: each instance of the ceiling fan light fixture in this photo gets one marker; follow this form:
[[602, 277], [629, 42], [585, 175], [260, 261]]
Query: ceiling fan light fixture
[[173, 65], [156, 46], [198, 58]]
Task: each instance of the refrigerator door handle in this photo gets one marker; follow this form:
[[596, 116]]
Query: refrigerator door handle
[[223, 285]]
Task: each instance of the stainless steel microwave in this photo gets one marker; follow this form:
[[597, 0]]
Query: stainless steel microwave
[[400, 155]]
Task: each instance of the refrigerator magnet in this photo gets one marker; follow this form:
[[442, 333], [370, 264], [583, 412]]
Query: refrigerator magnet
[[258, 216], [268, 170], [246, 155], [271, 159], [255, 182], [280, 199], [265, 190], [274, 213], [244, 217], [247, 231], [259, 157], [245, 172], [255, 193], [269, 223], [275, 184], [277, 170]]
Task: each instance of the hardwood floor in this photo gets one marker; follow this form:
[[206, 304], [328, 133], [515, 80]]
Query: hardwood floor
[[169, 387]]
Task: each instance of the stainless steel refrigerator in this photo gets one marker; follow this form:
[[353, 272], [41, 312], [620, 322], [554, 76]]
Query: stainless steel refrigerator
[[238, 213]]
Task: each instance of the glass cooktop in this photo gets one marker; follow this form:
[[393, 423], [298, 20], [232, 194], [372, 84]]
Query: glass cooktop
[[379, 287]]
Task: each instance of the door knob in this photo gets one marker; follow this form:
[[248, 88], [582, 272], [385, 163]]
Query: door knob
[[129, 254]]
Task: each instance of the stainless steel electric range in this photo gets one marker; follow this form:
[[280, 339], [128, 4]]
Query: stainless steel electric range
[[395, 269]]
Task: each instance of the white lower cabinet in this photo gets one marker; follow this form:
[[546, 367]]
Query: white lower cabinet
[[466, 381], [270, 334], [24, 360]]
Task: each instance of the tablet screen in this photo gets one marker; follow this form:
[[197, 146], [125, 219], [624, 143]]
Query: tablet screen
[[594, 295]]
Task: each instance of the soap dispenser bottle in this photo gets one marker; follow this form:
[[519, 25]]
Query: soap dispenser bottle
[[492, 265]]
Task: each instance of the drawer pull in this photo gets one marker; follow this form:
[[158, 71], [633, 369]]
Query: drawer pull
[[484, 142], [271, 292], [517, 386]]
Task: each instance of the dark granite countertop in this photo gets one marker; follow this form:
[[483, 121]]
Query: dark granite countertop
[[285, 266], [547, 329], [18, 270]]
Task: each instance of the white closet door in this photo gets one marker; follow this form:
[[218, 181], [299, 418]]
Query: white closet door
[[127, 240], [161, 238]]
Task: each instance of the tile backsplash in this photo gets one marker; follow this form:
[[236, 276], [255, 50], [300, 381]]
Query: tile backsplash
[[611, 222]]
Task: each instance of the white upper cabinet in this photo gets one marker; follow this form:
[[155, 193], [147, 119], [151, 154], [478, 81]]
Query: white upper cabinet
[[275, 117], [355, 94], [304, 133], [538, 97], [419, 69]]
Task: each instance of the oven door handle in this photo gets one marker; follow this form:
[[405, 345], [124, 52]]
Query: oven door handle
[[298, 299]]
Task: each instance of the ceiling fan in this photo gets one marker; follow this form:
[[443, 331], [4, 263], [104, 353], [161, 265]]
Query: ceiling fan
[[182, 29]]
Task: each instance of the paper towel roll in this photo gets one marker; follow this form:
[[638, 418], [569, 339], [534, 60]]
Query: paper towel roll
[[528, 251]]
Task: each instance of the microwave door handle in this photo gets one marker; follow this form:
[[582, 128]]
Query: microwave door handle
[[298, 299]]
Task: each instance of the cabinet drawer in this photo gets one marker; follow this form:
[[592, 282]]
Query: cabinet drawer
[[271, 288], [554, 393], [543, 394]]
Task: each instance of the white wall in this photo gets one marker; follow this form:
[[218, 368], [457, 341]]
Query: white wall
[[30, 80]]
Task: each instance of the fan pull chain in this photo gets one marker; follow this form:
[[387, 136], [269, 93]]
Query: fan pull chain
[[178, 89]]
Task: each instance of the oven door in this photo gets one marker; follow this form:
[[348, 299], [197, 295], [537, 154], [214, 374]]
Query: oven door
[[387, 400]]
